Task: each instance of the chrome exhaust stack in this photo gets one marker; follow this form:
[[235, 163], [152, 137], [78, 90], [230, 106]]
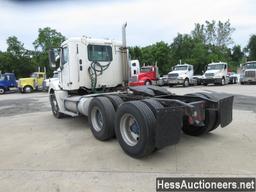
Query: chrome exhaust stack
[[124, 56]]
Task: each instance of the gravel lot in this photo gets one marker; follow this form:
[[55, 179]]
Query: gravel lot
[[41, 153]]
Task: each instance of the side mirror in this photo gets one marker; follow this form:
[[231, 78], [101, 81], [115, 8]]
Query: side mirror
[[225, 67], [52, 60]]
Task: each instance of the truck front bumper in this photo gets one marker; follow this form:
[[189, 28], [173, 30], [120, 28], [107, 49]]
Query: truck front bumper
[[248, 80], [136, 83], [212, 80], [175, 81]]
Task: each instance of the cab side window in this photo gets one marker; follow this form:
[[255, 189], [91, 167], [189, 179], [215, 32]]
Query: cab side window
[[99, 53], [40, 76], [64, 55]]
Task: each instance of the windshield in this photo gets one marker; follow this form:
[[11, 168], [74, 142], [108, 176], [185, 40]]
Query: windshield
[[34, 75], [216, 66], [145, 69], [180, 68], [55, 75], [250, 66]]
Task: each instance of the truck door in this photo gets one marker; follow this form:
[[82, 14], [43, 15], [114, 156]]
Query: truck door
[[65, 68]]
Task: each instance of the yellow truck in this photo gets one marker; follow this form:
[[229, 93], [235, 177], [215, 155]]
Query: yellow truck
[[33, 83]]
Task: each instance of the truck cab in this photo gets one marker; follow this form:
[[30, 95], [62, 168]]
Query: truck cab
[[148, 75], [7, 82], [182, 74], [32, 83], [248, 72], [216, 73]]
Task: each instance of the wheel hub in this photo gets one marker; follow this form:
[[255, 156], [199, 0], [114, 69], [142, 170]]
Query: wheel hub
[[130, 129], [97, 119]]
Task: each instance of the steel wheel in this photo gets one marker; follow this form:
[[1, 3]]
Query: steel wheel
[[55, 107], [222, 81], [27, 89], [1, 90], [186, 83], [130, 129], [97, 119], [147, 82]]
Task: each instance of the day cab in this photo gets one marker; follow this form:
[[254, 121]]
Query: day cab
[[248, 73], [216, 73], [7, 82], [32, 83], [148, 75], [182, 74]]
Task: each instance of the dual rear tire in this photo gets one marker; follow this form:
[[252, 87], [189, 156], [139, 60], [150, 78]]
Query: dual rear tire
[[132, 122]]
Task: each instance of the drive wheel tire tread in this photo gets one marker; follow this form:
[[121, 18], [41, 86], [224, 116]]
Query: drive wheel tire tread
[[106, 108], [115, 100], [153, 105], [147, 123]]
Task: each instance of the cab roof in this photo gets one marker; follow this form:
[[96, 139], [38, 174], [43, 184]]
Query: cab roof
[[89, 40]]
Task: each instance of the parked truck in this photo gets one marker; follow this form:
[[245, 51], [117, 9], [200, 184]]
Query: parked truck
[[248, 73], [142, 118], [216, 73], [32, 83], [7, 82], [148, 75], [182, 74]]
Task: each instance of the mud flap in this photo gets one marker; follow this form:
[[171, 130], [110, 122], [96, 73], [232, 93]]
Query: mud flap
[[169, 124], [225, 110]]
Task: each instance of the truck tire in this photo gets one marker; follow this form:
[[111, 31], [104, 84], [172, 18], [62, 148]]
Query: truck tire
[[211, 119], [115, 100], [2, 90], [101, 115], [55, 107], [222, 81], [135, 129], [153, 105], [148, 82], [186, 82], [27, 89]]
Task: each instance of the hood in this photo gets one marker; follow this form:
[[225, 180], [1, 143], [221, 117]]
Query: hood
[[250, 70], [178, 71], [213, 71], [27, 79]]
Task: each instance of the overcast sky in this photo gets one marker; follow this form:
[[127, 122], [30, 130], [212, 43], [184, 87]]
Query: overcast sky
[[149, 21]]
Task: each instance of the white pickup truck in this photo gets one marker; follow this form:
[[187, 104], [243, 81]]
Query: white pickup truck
[[216, 73], [182, 74]]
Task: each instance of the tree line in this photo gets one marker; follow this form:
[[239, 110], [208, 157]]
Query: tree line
[[22, 61], [208, 42]]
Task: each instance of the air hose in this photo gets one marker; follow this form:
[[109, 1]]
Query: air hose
[[96, 69]]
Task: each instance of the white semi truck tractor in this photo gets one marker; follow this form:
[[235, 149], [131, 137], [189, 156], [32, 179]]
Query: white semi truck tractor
[[248, 73], [93, 81], [181, 74], [216, 73]]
